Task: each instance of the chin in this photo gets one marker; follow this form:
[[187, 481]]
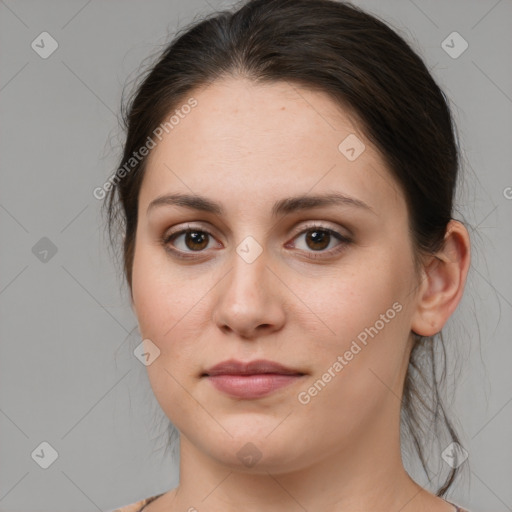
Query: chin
[[257, 451]]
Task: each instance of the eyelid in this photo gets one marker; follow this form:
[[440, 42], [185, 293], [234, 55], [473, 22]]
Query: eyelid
[[323, 226], [166, 239], [188, 226], [299, 230], [344, 239]]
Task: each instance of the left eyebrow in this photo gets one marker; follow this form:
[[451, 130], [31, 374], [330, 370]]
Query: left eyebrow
[[283, 206], [307, 202]]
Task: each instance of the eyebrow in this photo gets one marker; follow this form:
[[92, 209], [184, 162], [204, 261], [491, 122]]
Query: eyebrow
[[283, 206]]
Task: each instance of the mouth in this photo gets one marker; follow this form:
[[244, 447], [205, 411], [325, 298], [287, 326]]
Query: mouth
[[257, 367], [250, 380]]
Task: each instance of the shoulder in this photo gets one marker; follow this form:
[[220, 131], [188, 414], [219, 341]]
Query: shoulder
[[138, 505], [459, 509]]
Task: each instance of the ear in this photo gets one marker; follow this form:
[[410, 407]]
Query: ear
[[442, 282]]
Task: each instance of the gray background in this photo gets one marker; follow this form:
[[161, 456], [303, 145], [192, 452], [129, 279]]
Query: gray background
[[68, 375]]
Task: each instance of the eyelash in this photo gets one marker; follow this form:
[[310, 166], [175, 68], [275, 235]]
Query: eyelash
[[167, 238]]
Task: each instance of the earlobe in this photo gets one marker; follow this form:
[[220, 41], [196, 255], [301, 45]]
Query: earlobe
[[443, 281]]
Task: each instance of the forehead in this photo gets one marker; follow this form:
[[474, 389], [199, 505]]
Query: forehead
[[247, 141]]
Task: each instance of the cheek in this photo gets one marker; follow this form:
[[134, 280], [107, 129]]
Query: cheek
[[164, 311], [358, 370], [353, 305], [365, 321], [171, 308], [158, 296]]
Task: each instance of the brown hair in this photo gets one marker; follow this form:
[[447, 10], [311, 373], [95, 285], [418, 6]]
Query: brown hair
[[365, 67]]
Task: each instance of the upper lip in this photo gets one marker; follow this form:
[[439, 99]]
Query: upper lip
[[234, 367]]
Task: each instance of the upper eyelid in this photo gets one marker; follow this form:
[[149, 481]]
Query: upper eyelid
[[322, 225], [299, 230], [342, 239]]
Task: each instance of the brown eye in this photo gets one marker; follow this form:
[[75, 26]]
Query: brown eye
[[183, 243], [194, 239], [318, 238]]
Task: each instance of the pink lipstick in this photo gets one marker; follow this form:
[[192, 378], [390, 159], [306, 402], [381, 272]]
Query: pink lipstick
[[250, 380]]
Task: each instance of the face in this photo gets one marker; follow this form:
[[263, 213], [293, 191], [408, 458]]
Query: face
[[325, 290]]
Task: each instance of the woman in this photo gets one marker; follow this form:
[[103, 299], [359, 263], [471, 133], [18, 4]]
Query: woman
[[285, 199]]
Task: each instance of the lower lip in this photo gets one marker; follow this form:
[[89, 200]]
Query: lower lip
[[251, 386]]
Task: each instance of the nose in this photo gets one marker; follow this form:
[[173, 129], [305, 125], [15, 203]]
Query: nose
[[248, 300]]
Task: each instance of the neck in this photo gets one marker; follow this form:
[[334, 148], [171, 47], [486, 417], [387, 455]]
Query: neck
[[365, 474]]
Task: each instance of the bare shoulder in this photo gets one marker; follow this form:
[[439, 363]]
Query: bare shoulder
[[160, 503], [440, 504], [140, 505], [457, 508]]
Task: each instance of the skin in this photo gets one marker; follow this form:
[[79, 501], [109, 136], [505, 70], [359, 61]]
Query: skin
[[247, 146]]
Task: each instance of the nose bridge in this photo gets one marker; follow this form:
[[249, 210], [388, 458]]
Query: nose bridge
[[250, 254], [247, 300], [248, 276]]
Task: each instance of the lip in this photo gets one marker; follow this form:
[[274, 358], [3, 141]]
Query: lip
[[258, 366], [250, 380]]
